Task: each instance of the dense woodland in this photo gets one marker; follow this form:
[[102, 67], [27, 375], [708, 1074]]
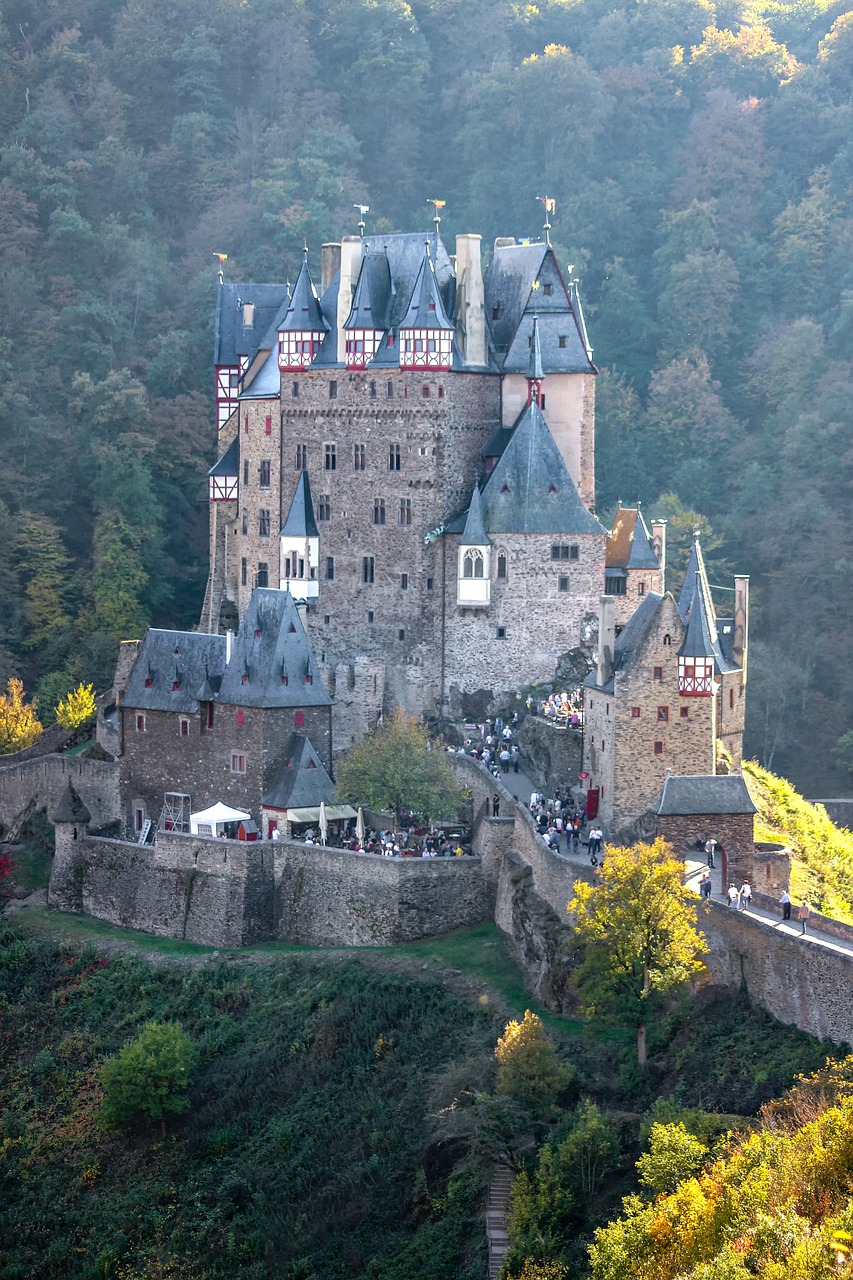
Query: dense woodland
[[701, 160]]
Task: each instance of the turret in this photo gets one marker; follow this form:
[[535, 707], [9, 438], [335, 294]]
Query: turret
[[473, 581], [365, 324], [222, 479], [426, 334], [303, 328], [70, 823], [300, 546]]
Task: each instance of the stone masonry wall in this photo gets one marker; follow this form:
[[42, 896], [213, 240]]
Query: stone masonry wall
[[45, 779], [732, 831], [259, 443]]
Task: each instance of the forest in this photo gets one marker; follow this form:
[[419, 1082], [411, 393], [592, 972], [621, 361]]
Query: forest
[[700, 159]]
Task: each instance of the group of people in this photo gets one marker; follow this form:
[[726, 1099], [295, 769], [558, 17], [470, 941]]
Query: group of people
[[497, 747], [405, 844], [559, 818], [741, 899], [564, 709]]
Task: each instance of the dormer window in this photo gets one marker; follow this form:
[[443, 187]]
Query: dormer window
[[248, 315], [149, 683]]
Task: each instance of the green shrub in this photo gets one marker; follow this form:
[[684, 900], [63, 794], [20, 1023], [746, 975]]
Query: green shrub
[[149, 1077]]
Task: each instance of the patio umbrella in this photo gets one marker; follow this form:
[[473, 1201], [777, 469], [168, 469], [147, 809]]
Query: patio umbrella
[[324, 826], [359, 826]]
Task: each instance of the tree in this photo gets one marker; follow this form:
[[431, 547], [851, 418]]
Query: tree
[[673, 1155], [19, 724], [397, 767], [528, 1066], [638, 926], [78, 708], [150, 1076]]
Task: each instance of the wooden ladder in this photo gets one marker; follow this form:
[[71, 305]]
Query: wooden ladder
[[497, 1208]]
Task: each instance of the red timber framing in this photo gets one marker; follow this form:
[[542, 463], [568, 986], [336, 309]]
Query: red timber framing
[[696, 677], [426, 349], [362, 345], [227, 391], [296, 350]]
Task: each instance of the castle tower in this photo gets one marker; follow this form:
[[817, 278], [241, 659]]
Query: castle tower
[[473, 574], [303, 327], [300, 546], [71, 823], [426, 334], [632, 567]]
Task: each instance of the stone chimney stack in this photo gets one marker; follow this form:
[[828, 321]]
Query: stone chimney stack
[[471, 322], [350, 264], [740, 640], [606, 639], [659, 547], [331, 264]]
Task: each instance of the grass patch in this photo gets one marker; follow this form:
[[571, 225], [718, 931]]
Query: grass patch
[[45, 923], [31, 867]]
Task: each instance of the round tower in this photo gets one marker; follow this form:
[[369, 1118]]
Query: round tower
[[70, 824]]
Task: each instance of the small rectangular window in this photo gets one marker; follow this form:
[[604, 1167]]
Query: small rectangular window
[[405, 511], [373, 390], [563, 583], [635, 713], [294, 390], [245, 521], [140, 724], [333, 390], [262, 578], [324, 506], [393, 457], [500, 633], [562, 340], [547, 290], [429, 584], [658, 748], [240, 717], [245, 424], [574, 551], [641, 588], [663, 714], [265, 473], [238, 762], [685, 712], [330, 568], [268, 425], [359, 457], [368, 569], [404, 581], [248, 315], [263, 523], [401, 634], [378, 511], [330, 457], [299, 720], [302, 457], [370, 615], [425, 393], [389, 388], [658, 673], [243, 572], [246, 472]]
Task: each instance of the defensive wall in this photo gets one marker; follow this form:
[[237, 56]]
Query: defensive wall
[[233, 893], [44, 778]]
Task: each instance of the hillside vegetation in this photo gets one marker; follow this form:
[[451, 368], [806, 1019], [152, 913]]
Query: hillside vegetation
[[823, 853], [699, 157], [336, 1118]]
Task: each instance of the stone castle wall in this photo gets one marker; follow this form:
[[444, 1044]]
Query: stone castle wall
[[44, 779]]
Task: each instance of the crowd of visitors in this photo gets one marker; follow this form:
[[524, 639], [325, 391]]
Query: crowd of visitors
[[565, 710], [561, 819], [495, 744]]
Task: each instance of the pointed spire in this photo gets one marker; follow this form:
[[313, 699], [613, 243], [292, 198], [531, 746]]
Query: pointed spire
[[426, 309], [700, 639], [694, 573], [474, 534], [303, 312], [364, 313], [535, 372], [300, 522]]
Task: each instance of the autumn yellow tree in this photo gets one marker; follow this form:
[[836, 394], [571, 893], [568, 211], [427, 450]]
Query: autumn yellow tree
[[19, 724], [78, 708], [528, 1066]]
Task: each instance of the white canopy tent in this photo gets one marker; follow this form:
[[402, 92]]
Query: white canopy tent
[[212, 821]]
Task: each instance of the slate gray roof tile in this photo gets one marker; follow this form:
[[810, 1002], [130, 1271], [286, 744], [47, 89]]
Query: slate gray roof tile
[[705, 794], [301, 781]]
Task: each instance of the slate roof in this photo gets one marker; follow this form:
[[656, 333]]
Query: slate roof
[[372, 294], [695, 570], [271, 643], [266, 384], [192, 659], [701, 640], [534, 364], [229, 463], [630, 638], [629, 543], [405, 255], [232, 339], [301, 781], [303, 313], [512, 303], [705, 794], [300, 522], [70, 808], [426, 307], [529, 489], [474, 534]]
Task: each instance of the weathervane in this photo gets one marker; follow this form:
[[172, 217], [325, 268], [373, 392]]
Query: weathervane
[[222, 258], [437, 205], [549, 204], [363, 209]]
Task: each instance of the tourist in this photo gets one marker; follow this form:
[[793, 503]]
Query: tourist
[[734, 898], [515, 756], [804, 913], [705, 886], [745, 895], [785, 904], [710, 849], [505, 758], [496, 805]]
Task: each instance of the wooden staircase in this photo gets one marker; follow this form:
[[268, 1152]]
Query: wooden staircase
[[497, 1208]]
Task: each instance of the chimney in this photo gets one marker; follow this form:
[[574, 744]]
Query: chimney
[[740, 640], [229, 645], [471, 333], [659, 546], [606, 639], [331, 265], [350, 263]]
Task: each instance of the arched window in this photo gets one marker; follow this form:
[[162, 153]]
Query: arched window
[[502, 564], [667, 639], [472, 566]]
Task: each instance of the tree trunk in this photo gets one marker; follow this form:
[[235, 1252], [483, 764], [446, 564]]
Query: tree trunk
[[641, 1044]]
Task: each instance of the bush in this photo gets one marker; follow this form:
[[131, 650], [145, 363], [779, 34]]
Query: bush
[[150, 1076]]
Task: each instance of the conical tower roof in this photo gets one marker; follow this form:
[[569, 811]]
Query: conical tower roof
[[426, 309], [71, 808], [372, 293], [300, 522], [474, 534], [303, 311], [700, 639]]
